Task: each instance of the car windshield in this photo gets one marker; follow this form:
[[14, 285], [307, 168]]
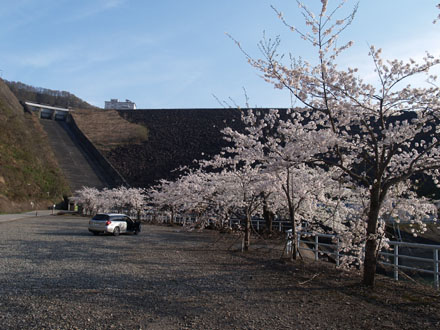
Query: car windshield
[[101, 217]]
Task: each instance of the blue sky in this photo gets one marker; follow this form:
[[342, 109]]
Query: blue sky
[[175, 54]]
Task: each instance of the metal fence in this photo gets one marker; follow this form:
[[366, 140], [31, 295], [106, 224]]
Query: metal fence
[[428, 264], [319, 247], [184, 219], [258, 223], [397, 255]]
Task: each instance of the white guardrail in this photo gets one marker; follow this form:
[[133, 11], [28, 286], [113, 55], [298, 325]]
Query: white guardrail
[[280, 225], [334, 247], [257, 223], [396, 255]]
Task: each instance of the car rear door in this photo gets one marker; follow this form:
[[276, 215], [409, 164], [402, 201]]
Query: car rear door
[[122, 224]]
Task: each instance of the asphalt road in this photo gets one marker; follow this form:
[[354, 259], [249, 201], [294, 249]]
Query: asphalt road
[[25, 215]]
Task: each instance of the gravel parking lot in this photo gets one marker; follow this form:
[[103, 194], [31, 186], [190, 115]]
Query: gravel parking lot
[[55, 275]]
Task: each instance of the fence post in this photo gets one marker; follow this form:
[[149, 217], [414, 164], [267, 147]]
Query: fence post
[[258, 225], [297, 244], [316, 248], [396, 262], [436, 284], [279, 226], [337, 252]]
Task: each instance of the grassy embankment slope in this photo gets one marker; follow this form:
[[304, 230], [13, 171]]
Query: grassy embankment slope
[[28, 169], [107, 130]]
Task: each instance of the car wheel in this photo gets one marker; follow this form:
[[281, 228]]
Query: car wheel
[[116, 231]]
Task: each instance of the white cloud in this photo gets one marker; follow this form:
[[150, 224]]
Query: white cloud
[[94, 8]]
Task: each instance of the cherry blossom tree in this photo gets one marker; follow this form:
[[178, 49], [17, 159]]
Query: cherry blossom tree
[[241, 183], [221, 201], [167, 196], [197, 189], [382, 134], [88, 198], [109, 200], [135, 200], [282, 149], [103, 200]]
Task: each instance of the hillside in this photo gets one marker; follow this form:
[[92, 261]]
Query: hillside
[[28, 170]]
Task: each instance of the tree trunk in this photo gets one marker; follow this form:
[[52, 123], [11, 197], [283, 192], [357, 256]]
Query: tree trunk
[[292, 221], [247, 232], [268, 216], [286, 189], [371, 244], [172, 218]]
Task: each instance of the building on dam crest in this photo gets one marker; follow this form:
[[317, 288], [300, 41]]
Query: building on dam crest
[[115, 104]]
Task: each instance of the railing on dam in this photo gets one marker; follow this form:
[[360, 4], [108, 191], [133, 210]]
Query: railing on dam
[[47, 111]]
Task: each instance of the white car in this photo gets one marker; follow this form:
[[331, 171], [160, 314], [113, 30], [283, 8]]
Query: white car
[[113, 223]]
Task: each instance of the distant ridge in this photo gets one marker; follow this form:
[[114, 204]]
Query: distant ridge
[[46, 96]]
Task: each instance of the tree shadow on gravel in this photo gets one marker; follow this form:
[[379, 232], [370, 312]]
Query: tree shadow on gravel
[[188, 295], [388, 296], [179, 236]]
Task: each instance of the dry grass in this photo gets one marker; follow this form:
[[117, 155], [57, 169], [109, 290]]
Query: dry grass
[[107, 130]]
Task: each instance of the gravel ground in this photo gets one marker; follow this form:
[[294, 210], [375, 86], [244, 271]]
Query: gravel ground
[[55, 275]]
